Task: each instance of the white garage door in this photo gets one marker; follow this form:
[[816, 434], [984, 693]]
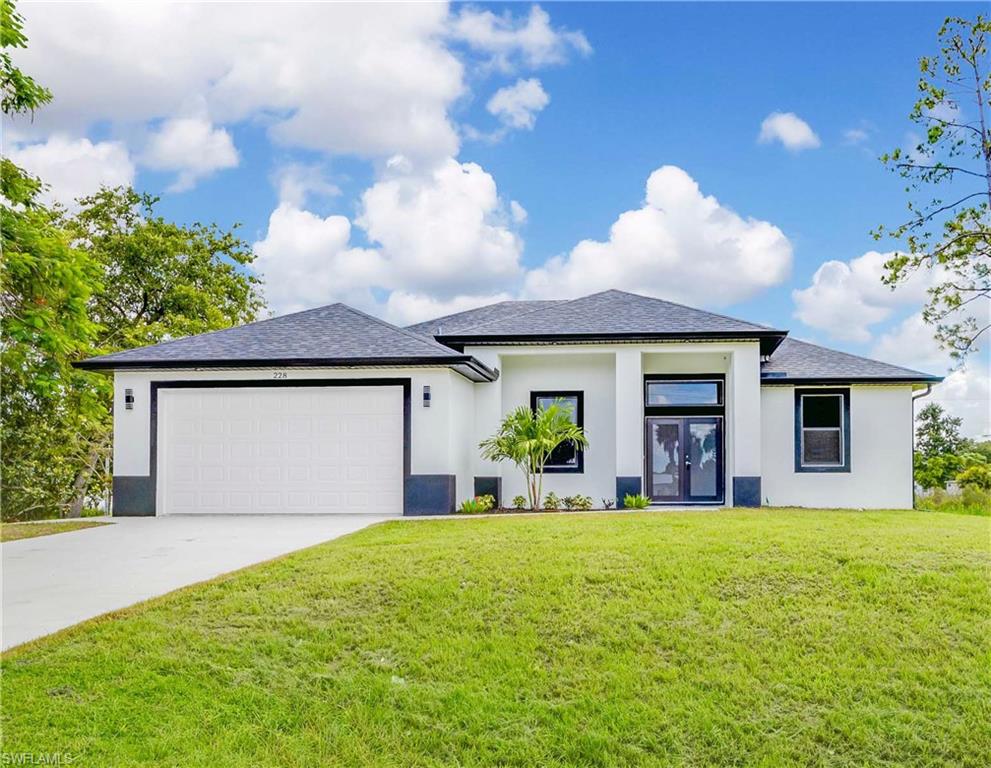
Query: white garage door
[[280, 450]]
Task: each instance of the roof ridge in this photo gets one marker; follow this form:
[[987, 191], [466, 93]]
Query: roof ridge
[[411, 334], [449, 315], [851, 354], [557, 303], [694, 309]]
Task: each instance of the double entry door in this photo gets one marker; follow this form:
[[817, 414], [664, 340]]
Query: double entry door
[[685, 459]]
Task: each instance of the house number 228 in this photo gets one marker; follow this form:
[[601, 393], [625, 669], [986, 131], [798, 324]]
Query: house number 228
[[279, 375]]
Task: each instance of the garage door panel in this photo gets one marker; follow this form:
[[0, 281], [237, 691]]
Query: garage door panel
[[295, 450]]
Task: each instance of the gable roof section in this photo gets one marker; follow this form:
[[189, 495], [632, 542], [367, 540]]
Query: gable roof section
[[801, 362], [335, 335], [612, 315], [478, 316]]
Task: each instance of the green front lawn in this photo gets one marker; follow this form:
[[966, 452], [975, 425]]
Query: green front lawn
[[15, 531], [770, 638]]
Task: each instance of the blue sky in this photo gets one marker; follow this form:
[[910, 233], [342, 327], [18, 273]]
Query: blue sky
[[387, 98]]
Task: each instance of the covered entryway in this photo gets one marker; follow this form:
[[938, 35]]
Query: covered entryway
[[280, 450]]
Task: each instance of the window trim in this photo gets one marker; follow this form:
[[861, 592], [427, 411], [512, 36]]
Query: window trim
[[844, 429], [579, 395]]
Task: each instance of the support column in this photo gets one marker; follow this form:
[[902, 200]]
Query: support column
[[745, 426], [629, 423]]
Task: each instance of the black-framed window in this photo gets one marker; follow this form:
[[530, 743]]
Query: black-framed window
[[567, 457], [683, 392], [822, 430]]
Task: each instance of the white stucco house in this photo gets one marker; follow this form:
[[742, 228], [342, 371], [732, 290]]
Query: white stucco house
[[334, 411]]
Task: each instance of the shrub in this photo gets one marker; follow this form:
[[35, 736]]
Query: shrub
[[608, 503], [519, 502], [477, 505], [583, 503], [552, 502], [972, 501], [976, 476], [636, 501]]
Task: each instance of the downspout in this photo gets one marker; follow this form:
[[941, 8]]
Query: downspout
[[917, 396]]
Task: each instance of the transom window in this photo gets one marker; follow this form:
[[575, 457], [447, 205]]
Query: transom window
[[567, 457], [822, 430], [693, 392]]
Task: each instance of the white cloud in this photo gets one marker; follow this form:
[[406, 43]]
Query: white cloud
[[517, 105], [338, 78], [791, 130], [445, 232], [510, 41], [965, 392], [74, 167], [308, 261], [518, 212], [846, 298], [297, 182], [680, 245], [193, 147], [404, 308], [442, 241], [854, 136]]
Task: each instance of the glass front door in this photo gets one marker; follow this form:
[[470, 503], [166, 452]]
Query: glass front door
[[685, 459]]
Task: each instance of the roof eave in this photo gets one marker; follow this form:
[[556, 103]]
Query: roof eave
[[769, 340], [466, 365], [810, 380]]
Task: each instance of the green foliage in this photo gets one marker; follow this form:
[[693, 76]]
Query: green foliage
[[128, 279], [551, 502], [519, 502], [636, 501], [477, 505], [527, 438], [937, 445], [19, 93], [110, 277], [948, 229], [976, 476], [937, 432], [936, 471], [970, 501], [579, 502]]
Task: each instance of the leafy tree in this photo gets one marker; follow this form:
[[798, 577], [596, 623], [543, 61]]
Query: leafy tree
[[45, 285], [19, 93], [976, 476], [158, 281], [527, 438], [112, 276], [937, 447], [937, 433], [949, 175]]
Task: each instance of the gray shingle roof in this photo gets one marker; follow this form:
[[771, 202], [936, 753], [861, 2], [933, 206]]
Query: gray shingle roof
[[797, 360], [332, 333], [609, 313], [478, 316]]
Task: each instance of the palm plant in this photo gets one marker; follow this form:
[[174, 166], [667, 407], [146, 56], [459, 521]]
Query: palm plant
[[527, 438]]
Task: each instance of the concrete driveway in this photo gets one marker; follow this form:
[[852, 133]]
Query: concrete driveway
[[52, 582]]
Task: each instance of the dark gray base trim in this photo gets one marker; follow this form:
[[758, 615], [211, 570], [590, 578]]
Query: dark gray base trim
[[626, 485], [746, 491], [134, 496], [429, 495], [491, 486]]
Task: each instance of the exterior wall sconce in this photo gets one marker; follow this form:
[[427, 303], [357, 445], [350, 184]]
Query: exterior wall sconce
[[426, 395], [129, 399]]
